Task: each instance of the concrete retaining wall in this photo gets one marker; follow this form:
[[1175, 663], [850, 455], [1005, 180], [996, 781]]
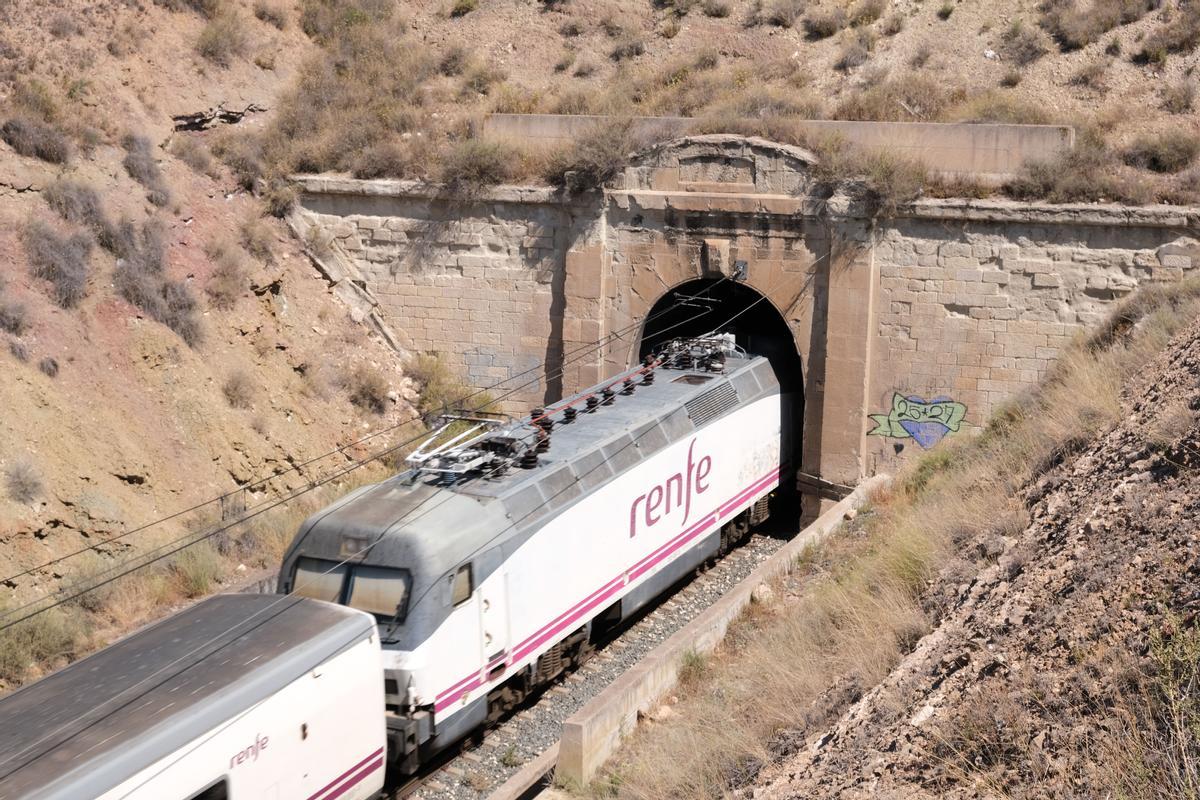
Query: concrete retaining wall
[[594, 732], [987, 152]]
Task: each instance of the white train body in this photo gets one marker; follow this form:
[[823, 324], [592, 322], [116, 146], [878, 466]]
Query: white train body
[[239, 696], [508, 577]]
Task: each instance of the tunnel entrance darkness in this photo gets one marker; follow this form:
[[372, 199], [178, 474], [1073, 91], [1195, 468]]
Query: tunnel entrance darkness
[[707, 304]]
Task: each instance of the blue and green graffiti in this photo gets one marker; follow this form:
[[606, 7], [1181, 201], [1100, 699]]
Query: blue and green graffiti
[[925, 421]]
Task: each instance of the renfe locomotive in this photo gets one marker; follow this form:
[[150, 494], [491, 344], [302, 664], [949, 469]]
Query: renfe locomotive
[[507, 549]]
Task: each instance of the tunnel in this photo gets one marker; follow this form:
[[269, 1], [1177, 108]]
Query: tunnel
[[702, 306]]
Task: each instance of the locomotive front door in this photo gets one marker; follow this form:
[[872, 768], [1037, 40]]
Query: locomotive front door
[[493, 617]]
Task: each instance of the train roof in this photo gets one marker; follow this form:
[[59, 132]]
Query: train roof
[[403, 511], [86, 728]]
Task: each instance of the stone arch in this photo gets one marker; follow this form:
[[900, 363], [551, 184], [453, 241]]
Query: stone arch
[[720, 163]]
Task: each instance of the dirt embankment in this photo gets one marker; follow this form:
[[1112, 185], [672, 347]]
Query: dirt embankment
[[1068, 668], [197, 349]]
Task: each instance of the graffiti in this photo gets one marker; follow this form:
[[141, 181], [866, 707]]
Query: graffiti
[[925, 421]]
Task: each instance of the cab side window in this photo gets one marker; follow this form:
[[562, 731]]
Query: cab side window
[[218, 791], [463, 585]]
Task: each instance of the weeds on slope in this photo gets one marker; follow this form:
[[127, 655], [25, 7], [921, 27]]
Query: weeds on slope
[[869, 595]]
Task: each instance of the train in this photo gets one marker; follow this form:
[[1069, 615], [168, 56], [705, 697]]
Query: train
[[238, 696], [508, 548], [442, 597]]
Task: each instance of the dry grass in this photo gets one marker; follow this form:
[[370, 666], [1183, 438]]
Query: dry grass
[[1075, 25], [368, 389], [22, 482], [37, 139], [1179, 98], [1179, 34], [1171, 151], [139, 163], [48, 367], [223, 39], [61, 259], [239, 389], [257, 239], [228, 281], [141, 279], [14, 317], [595, 157], [1022, 44], [270, 14], [864, 605], [474, 165], [192, 152]]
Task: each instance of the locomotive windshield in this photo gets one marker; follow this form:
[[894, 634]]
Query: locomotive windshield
[[381, 591]]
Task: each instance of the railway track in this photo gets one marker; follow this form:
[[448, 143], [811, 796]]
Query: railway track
[[479, 767]]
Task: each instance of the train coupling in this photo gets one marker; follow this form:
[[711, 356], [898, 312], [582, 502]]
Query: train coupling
[[405, 735]]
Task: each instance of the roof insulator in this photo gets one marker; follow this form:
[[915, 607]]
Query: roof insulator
[[543, 443], [607, 396], [569, 414], [529, 459], [592, 402], [648, 378], [627, 386]]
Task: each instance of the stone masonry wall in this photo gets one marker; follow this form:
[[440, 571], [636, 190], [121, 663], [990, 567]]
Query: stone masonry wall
[[977, 303], [477, 282]]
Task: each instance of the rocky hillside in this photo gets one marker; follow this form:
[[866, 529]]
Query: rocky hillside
[[162, 340], [1069, 664]]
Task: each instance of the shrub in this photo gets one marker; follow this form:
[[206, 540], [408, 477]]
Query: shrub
[[228, 280], [571, 28], [854, 52], [140, 279], [80, 203], [256, 238], [239, 389], [64, 25], [867, 12], [42, 639], [22, 482], [823, 23], [1074, 27], [594, 158], [481, 78], [439, 389], [897, 99], [244, 157], [893, 25], [1178, 98], [628, 47], [13, 318], [49, 367], [197, 568], [946, 10], [1084, 174], [193, 153], [271, 14], [1167, 152], [388, 159], [63, 260], [584, 68], [718, 9], [463, 7], [1090, 75], [206, 8], [564, 63], [1022, 45], [223, 39], [780, 13], [1180, 34], [367, 389], [454, 61], [1011, 78], [31, 137], [884, 180], [139, 163], [921, 57], [994, 106], [473, 165], [18, 350], [279, 198]]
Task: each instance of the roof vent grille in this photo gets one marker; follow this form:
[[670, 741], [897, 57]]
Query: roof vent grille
[[712, 404]]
